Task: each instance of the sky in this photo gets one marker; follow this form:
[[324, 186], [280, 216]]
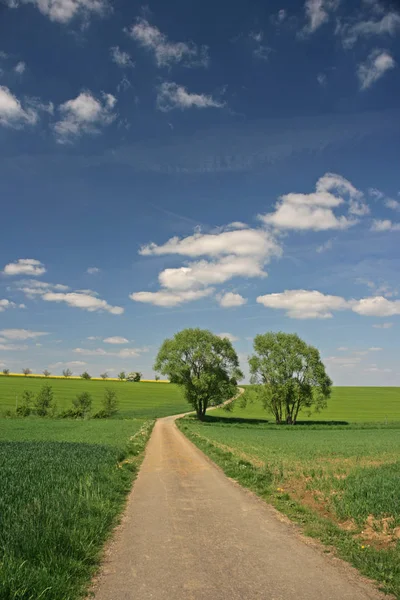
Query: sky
[[230, 166]]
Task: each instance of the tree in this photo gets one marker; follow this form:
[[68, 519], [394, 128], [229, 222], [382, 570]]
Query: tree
[[46, 373], [44, 401], [138, 376], [67, 373], [134, 376], [104, 375], [156, 377], [110, 402], [26, 372], [6, 371], [85, 375], [204, 365], [122, 375], [82, 404], [290, 374]]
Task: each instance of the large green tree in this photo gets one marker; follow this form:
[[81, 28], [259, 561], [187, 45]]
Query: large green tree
[[204, 365], [290, 375]]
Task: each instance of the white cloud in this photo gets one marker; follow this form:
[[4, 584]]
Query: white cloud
[[377, 306], [93, 270], [261, 50], [33, 287], [171, 96], [20, 67], [170, 298], [5, 304], [315, 210], [12, 347], [71, 364], [384, 225], [389, 24], [85, 114], [121, 58], [383, 325], [62, 11], [324, 247], [21, 334], [342, 349], [375, 349], [304, 304], [229, 336], [392, 204], [388, 202], [165, 52], [231, 299], [318, 13], [115, 340], [321, 78], [125, 353], [377, 370], [84, 301], [343, 361], [12, 113], [25, 266], [93, 337], [376, 65]]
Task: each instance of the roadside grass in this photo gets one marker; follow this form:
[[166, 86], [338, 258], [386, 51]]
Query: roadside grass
[[136, 400], [350, 404], [62, 487], [341, 484]]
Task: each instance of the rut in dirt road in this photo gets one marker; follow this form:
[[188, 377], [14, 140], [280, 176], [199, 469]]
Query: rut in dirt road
[[190, 533]]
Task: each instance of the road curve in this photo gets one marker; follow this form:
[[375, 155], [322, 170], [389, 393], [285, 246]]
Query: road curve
[[190, 533]]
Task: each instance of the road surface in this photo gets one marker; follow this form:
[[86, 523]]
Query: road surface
[[191, 533]]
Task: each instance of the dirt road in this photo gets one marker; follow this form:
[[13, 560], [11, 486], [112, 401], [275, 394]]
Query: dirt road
[[190, 533]]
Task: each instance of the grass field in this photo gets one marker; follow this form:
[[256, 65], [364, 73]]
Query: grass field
[[340, 483], [351, 404], [62, 486], [136, 400]]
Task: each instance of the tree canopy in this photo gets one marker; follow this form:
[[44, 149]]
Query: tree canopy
[[204, 365], [291, 374]]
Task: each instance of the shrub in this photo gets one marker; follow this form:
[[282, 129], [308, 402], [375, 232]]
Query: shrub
[[85, 375], [134, 376], [44, 401], [67, 373], [157, 377], [82, 404], [110, 402], [104, 375], [25, 408], [46, 373], [26, 372], [6, 371]]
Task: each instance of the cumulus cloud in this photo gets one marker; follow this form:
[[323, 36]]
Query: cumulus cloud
[[125, 353], [384, 225], [317, 13], [230, 299], [93, 270], [121, 58], [21, 334], [376, 65], [115, 340], [165, 52], [84, 114], [12, 113], [20, 68], [170, 298], [72, 364], [85, 301], [5, 304], [172, 96], [228, 336], [260, 50], [388, 202], [34, 287], [13, 347], [25, 266], [388, 24], [377, 306], [304, 304], [315, 210], [382, 325], [63, 11]]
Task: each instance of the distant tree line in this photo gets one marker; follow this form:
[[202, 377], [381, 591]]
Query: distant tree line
[[134, 376]]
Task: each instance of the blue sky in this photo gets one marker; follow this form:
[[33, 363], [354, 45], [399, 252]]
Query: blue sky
[[232, 166]]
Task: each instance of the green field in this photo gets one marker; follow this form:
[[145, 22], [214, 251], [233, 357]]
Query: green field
[[341, 483], [136, 400], [351, 404], [62, 486]]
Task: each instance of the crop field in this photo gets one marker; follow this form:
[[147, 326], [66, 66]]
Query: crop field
[[341, 483], [350, 404], [62, 486], [136, 400]]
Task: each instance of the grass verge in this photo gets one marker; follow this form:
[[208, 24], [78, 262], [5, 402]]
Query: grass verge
[[342, 490], [59, 501]]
